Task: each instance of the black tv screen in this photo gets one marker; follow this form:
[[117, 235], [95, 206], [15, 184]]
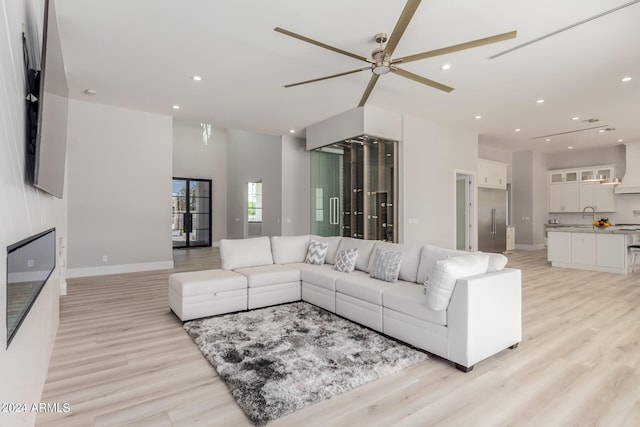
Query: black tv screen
[[49, 146], [30, 262]]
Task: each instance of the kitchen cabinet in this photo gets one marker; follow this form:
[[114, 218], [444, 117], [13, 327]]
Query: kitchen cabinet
[[583, 248], [492, 174], [564, 197], [588, 249], [511, 238], [559, 247], [611, 250], [597, 195], [568, 190]]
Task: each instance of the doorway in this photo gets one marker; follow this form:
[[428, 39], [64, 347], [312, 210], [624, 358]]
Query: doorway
[[464, 212], [191, 212]]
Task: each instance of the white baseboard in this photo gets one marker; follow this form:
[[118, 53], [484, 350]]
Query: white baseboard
[[530, 247], [118, 269]]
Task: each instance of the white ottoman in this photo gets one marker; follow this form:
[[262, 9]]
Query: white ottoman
[[196, 294]]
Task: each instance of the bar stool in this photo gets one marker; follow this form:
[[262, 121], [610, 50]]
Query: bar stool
[[635, 257]]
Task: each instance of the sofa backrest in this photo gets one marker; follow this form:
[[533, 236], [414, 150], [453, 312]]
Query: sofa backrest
[[410, 258], [365, 248], [288, 249], [241, 253]]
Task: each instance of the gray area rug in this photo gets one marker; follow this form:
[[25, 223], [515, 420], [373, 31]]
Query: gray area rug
[[277, 360]]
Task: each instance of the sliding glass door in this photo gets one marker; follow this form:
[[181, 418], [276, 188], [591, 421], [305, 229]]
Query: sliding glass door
[[191, 210]]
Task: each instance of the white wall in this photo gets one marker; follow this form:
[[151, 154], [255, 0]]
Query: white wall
[[119, 190], [296, 187], [193, 159], [25, 211], [253, 157], [430, 155]]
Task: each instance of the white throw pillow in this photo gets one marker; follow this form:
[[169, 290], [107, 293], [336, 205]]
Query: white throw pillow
[[346, 260], [445, 274], [288, 249], [317, 252], [386, 265], [241, 253], [497, 262]]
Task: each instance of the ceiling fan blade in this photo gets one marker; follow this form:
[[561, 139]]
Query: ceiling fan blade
[[328, 77], [457, 47], [320, 44], [405, 17], [421, 79], [367, 91]]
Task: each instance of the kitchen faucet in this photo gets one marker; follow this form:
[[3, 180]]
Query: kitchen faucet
[[592, 214]]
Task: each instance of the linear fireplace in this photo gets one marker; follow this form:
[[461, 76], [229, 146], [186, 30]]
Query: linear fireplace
[[30, 262]]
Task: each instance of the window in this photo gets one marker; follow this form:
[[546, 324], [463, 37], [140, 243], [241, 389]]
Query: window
[[255, 201]]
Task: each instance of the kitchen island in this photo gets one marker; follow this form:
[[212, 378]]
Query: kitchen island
[[591, 248]]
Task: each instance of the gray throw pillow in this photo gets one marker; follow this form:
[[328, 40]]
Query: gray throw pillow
[[346, 260], [317, 252], [386, 265]]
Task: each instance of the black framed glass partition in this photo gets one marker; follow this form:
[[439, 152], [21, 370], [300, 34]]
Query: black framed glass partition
[[191, 212]]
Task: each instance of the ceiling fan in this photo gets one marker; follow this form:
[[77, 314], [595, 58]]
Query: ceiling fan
[[381, 61]]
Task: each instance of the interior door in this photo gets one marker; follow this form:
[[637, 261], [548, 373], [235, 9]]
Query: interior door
[[191, 210], [326, 193]]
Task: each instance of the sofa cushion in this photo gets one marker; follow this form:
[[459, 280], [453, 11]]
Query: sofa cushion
[[266, 275], [334, 242], [445, 274], [201, 282], [346, 260], [360, 285], [323, 276], [317, 252], [365, 248], [240, 253], [410, 300], [410, 258], [385, 265], [428, 257], [288, 249]]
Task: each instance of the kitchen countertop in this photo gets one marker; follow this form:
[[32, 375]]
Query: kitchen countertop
[[581, 228]]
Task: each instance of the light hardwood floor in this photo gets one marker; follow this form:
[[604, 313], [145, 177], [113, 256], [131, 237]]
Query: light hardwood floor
[[121, 358]]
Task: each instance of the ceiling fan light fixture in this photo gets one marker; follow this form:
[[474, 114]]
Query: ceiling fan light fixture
[[382, 64]]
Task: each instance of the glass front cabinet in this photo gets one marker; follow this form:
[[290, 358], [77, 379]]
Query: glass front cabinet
[[354, 189]]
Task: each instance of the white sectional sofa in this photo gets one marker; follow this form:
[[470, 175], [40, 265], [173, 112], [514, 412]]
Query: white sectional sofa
[[461, 306]]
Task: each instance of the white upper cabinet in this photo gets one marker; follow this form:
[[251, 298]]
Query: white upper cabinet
[[570, 190], [492, 174]]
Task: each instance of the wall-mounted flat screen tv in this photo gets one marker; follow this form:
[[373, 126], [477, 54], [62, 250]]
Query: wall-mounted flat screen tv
[[30, 262], [47, 140]]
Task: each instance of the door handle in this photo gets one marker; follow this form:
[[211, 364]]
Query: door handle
[[334, 208], [493, 220]]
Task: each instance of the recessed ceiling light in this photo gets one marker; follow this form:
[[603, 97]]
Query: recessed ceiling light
[[446, 67], [627, 79], [196, 78], [575, 118], [478, 117], [175, 107], [601, 131], [518, 130], [89, 92], [620, 140], [548, 140], [570, 148], [540, 101], [292, 131]]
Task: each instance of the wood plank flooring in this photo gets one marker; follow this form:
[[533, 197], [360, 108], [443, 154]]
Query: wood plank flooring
[[122, 358]]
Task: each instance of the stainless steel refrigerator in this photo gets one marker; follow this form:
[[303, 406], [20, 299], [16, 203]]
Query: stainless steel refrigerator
[[492, 220]]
